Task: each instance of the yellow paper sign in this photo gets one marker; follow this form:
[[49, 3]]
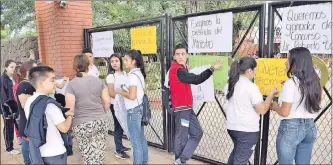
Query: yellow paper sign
[[270, 73], [144, 39]]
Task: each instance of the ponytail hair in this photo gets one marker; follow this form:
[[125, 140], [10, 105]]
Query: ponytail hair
[[237, 68], [137, 56], [81, 64]]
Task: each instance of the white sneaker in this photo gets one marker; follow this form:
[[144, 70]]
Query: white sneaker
[[14, 152]]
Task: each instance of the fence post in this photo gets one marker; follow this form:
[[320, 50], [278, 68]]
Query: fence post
[[261, 53], [265, 130], [170, 121], [86, 38]]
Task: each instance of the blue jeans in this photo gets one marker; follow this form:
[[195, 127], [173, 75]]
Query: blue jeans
[[25, 151], [137, 135], [295, 141]]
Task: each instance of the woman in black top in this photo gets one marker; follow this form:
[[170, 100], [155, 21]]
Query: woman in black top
[[23, 92], [8, 106]]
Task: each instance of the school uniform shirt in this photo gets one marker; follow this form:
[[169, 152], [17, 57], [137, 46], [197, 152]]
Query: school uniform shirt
[[135, 81], [93, 71], [117, 79], [241, 113], [54, 144], [290, 93]]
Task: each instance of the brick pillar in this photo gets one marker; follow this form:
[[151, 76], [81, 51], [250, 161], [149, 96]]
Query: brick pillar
[[60, 33]]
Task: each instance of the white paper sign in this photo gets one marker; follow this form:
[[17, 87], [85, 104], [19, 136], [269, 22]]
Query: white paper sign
[[121, 113], [307, 26], [204, 91], [210, 33], [102, 44]]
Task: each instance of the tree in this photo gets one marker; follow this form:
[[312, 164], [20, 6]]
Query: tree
[[17, 14]]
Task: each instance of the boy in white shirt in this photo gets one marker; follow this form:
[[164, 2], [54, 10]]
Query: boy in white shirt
[[42, 78], [93, 70]]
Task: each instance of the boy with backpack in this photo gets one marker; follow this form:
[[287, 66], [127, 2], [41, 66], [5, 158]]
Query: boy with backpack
[[46, 127]]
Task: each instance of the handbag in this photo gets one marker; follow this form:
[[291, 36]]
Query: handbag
[[146, 114]]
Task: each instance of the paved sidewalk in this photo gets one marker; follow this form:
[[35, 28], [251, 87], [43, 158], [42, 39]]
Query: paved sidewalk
[[156, 156]]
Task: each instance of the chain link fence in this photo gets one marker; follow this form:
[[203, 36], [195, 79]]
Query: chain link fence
[[216, 145], [322, 151], [153, 66], [248, 40]]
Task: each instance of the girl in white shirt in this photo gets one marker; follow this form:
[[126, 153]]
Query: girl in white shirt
[[115, 79], [133, 93], [245, 105], [300, 97]]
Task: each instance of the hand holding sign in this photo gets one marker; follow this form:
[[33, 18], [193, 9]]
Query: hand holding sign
[[274, 91], [218, 64]]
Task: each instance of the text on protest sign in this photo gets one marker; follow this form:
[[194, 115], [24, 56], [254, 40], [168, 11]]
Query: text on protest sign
[[270, 73], [307, 26], [144, 39], [204, 91], [220, 76], [102, 44], [211, 33]]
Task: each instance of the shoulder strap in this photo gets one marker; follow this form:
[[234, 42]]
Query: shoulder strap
[[140, 82]]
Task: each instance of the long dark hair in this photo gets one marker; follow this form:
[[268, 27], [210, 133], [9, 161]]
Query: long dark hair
[[7, 63], [301, 66], [137, 56], [237, 68], [117, 55]]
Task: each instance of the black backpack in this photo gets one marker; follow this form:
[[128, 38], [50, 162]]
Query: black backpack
[[146, 115]]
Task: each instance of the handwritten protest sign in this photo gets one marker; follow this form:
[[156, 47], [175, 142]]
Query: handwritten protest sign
[[220, 76], [102, 44], [307, 26], [144, 39], [204, 91], [210, 33], [270, 73]]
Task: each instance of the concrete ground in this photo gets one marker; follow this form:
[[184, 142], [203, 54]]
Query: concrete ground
[[156, 156]]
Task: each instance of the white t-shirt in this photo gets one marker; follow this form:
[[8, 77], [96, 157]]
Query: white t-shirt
[[290, 93], [93, 71], [63, 89], [133, 80], [241, 113], [54, 144], [117, 79]]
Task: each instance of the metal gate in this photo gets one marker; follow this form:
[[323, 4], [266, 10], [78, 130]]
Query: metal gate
[[216, 145], [322, 151], [154, 67]]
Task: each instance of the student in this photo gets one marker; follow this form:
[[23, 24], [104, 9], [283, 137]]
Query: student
[[300, 97], [17, 80], [93, 70], [115, 79], [245, 105], [133, 93], [8, 105], [188, 131], [23, 92], [42, 78], [88, 97]]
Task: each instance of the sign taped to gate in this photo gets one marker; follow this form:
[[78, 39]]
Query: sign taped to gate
[[270, 73], [210, 33], [307, 26], [220, 76], [144, 39], [204, 91], [102, 44]]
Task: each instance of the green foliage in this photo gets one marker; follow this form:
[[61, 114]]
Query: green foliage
[[17, 14]]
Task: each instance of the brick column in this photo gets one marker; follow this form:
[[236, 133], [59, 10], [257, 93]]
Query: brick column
[[60, 33]]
